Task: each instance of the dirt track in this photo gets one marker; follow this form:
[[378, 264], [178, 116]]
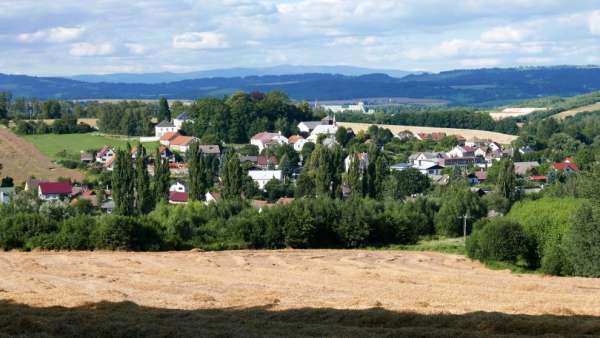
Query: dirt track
[[427, 283], [22, 159]]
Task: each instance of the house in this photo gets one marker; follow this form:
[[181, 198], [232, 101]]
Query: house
[[177, 187], [182, 143], [285, 200], [308, 126], [359, 107], [86, 157], [178, 169], [430, 136], [178, 197], [32, 184], [108, 206], [363, 159], [105, 154], [210, 149], [494, 146], [110, 164], [267, 162], [461, 151], [181, 119], [425, 158], [522, 168], [262, 177], [567, 166], [461, 161], [265, 139], [53, 191], [167, 154], [84, 194], [297, 141], [211, 197], [430, 169], [481, 175], [6, 194], [166, 138], [260, 205], [164, 127], [538, 178], [323, 129]]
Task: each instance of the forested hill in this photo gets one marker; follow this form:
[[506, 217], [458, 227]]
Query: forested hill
[[461, 87]]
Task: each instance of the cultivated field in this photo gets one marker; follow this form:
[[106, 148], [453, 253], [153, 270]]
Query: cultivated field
[[466, 133], [51, 144], [514, 112], [573, 112], [285, 293], [22, 159]]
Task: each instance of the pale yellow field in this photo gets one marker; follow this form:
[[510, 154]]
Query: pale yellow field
[[466, 133], [573, 112], [345, 293]]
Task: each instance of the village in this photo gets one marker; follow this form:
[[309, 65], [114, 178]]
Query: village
[[472, 159]]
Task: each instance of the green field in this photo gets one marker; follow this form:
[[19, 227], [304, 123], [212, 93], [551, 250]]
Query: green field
[[56, 146]]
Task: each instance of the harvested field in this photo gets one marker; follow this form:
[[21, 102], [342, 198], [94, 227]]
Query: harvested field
[[514, 112], [573, 112], [466, 133], [22, 159], [285, 293]]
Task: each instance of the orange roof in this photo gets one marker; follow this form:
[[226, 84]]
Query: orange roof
[[181, 140], [295, 138], [169, 136]]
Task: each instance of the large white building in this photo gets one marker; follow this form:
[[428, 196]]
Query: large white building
[[262, 177], [358, 107], [165, 127]]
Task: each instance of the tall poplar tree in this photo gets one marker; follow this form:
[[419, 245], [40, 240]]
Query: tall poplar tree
[[200, 172], [354, 177], [162, 178], [164, 112], [143, 192], [506, 183], [233, 177], [123, 182]]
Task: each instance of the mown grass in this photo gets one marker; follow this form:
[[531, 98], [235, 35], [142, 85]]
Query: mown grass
[[443, 245], [57, 146]]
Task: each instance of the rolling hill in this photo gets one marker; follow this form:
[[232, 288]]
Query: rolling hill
[[482, 87]]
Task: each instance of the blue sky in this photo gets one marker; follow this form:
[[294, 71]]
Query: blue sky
[[66, 37]]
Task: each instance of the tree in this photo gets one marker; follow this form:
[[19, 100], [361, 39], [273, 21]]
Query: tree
[[123, 179], [376, 173], [341, 136], [200, 172], [457, 203], [233, 177], [506, 183], [305, 185], [583, 244], [164, 113], [143, 193], [5, 99], [500, 240], [354, 177], [406, 183], [162, 178]]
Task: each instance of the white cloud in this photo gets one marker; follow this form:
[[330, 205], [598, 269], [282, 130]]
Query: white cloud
[[479, 63], [53, 35], [136, 48], [594, 23], [534, 60], [200, 40], [89, 49], [354, 41], [503, 34]]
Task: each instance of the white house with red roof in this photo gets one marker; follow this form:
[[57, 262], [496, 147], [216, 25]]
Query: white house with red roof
[[166, 139], [182, 143], [54, 191], [265, 139]]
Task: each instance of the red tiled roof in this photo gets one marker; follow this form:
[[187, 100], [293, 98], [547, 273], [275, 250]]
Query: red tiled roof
[[538, 178], [56, 188], [295, 138], [181, 140], [265, 136], [178, 196], [264, 161], [169, 136], [565, 165]]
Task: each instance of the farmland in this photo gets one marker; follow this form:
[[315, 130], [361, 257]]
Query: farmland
[[466, 133], [52, 144], [572, 112], [285, 293], [21, 159]]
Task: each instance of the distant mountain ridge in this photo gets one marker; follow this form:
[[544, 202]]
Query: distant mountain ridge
[[480, 87], [166, 77]]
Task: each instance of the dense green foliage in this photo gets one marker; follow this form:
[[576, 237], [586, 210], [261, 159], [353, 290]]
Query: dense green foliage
[[498, 240]]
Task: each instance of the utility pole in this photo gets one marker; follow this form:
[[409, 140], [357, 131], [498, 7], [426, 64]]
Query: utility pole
[[465, 217]]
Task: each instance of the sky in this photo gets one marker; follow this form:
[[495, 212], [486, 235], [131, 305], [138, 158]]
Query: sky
[[68, 37]]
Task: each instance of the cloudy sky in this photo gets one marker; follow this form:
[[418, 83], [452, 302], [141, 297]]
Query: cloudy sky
[[66, 37]]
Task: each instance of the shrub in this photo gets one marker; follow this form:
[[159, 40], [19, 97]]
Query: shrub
[[16, 230], [499, 240], [114, 233], [583, 244]]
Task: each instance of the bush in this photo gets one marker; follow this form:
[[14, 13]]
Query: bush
[[583, 244], [499, 240], [115, 233], [16, 230]]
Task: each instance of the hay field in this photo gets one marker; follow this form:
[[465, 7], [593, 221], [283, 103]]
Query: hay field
[[466, 133], [514, 112], [285, 293], [22, 159], [573, 112]]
